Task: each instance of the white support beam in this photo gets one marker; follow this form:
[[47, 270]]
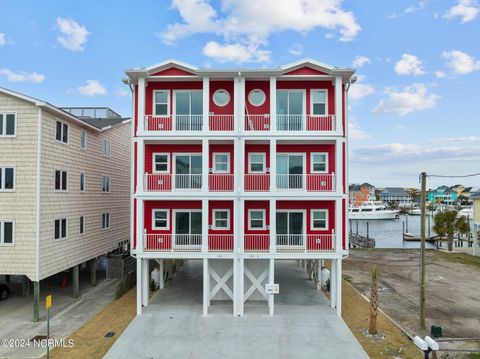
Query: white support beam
[[236, 162], [271, 280], [205, 213], [241, 225], [273, 229], [162, 278], [235, 286], [140, 166], [139, 286], [206, 286], [338, 103], [273, 165], [140, 226], [339, 166], [141, 104], [338, 296], [241, 286], [206, 103], [145, 282], [241, 164], [273, 104], [333, 284], [205, 164], [236, 107], [338, 225], [241, 103]]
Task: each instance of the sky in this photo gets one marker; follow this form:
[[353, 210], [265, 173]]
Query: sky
[[413, 108]]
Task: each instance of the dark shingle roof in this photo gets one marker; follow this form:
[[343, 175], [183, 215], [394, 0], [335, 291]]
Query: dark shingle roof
[[395, 191], [103, 122]]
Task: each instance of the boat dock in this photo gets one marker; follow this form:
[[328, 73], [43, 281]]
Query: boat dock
[[359, 241]]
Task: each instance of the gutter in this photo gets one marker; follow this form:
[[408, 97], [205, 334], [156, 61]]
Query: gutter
[[37, 204]]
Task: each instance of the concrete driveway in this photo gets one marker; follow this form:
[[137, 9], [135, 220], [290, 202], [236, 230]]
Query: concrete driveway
[[304, 325]]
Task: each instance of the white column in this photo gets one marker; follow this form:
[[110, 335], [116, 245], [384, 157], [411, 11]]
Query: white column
[[206, 103], [338, 296], [205, 213], [236, 163], [236, 225], [141, 104], [205, 164], [273, 165], [140, 225], [206, 286], [139, 286], [271, 280], [241, 225], [338, 226], [235, 286], [241, 103], [145, 282], [320, 275], [236, 108], [333, 284], [241, 164], [273, 104], [162, 278], [338, 103], [241, 289], [339, 166], [273, 229], [140, 166]]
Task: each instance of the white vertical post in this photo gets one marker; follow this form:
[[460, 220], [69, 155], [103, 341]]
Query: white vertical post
[[139, 285], [140, 226], [140, 165], [236, 108], [338, 103], [241, 284], [235, 163], [241, 165], [206, 104], [145, 281], [273, 103], [235, 286], [205, 164], [273, 165], [241, 103], [141, 104], [206, 286], [333, 283], [205, 214], [339, 165], [271, 280], [241, 225], [338, 226], [319, 275], [162, 278], [273, 229], [475, 238], [338, 296]]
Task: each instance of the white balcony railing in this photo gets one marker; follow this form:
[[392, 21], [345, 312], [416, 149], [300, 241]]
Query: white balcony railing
[[174, 123], [181, 242], [188, 181], [160, 182], [290, 181], [220, 242], [256, 242], [304, 122], [257, 122], [321, 123], [321, 182], [257, 182], [290, 122], [220, 182], [220, 122], [305, 243]]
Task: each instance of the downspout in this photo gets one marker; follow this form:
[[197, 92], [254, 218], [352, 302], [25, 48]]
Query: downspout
[[347, 234], [37, 204]]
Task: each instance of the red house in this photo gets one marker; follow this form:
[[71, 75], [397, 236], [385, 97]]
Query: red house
[[239, 168]]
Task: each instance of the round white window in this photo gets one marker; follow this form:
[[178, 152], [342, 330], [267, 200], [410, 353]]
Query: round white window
[[256, 97], [221, 98]]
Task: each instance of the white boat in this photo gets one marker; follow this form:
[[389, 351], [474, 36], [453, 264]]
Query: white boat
[[415, 212], [372, 210]]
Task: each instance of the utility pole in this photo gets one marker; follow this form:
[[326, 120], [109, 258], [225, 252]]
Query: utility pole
[[423, 176]]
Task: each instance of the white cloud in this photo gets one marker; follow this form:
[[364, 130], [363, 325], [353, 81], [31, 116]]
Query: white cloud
[[251, 22], [355, 132], [296, 49], [440, 74], [235, 53], [409, 65], [467, 10], [3, 41], [73, 35], [360, 61], [420, 6], [460, 62], [359, 90], [410, 99], [22, 76], [464, 139], [92, 88]]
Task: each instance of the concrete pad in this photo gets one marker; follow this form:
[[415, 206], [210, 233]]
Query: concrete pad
[[173, 327]]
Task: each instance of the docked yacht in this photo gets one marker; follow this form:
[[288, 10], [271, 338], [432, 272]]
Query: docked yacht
[[372, 210]]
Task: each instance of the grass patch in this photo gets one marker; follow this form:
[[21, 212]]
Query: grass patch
[[461, 258]]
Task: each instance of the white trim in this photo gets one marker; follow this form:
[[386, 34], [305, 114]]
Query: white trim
[[61, 238], [264, 227], [174, 169], [61, 141], [326, 102], [154, 167], [312, 228], [61, 181], [84, 133], [214, 170], [4, 125], [2, 178], [264, 156], [154, 210], [250, 100], [304, 104], [288, 210], [174, 107], [154, 103], [214, 224], [215, 101], [174, 214], [311, 162], [2, 239]]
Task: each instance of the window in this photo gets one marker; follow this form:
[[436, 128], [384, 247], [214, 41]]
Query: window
[[319, 219], [161, 162], [257, 97], [188, 110], [256, 163], [221, 98], [106, 184], [221, 219], [319, 162], [83, 139], [106, 148], [82, 182], [105, 220], [161, 219], [7, 232], [160, 103], [7, 179], [256, 219], [221, 163], [61, 228], [61, 180], [62, 132], [290, 110], [319, 102], [82, 224], [7, 124]]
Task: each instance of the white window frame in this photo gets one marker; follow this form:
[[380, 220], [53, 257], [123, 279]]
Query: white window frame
[[214, 224], [154, 109], [83, 134], [304, 102], [326, 101], [105, 153], [311, 162], [219, 104], [60, 232], [61, 181], [154, 167], [264, 156], [4, 127], [61, 132], [108, 184], [2, 179], [155, 210], [174, 215], [82, 175], [312, 227], [107, 215], [214, 154], [82, 227], [264, 227], [264, 97], [2, 232]]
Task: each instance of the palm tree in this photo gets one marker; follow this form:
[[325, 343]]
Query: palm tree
[[447, 224], [372, 327]]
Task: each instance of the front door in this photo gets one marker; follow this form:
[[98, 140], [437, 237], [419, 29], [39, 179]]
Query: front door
[[188, 228], [290, 226], [290, 171], [188, 171]]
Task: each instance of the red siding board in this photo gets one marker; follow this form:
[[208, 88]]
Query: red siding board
[[170, 149], [265, 107], [306, 71], [249, 148], [308, 149], [168, 85], [308, 86], [222, 149], [223, 85], [173, 71]]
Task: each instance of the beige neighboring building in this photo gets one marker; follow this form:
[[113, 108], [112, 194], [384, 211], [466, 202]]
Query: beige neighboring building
[[64, 187]]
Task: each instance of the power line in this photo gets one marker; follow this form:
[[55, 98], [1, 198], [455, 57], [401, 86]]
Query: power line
[[459, 176]]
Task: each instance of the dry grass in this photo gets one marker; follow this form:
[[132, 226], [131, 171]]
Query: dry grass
[[356, 311], [90, 341], [461, 258]]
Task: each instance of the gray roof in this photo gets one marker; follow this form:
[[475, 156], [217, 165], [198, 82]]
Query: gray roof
[[395, 191], [366, 184], [103, 122]]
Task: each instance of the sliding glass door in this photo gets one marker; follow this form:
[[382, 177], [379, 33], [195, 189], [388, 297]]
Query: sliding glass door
[[290, 171], [188, 228], [290, 228], [188, 171], [188, 110]]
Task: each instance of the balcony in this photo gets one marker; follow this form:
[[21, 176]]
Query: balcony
[[220, 182], [220, 122], [304, 122], [181, 242], [293, 243], [159, 182], [174, 123], [257, 122], [256, 242], [257, 182], [324, 182], [220, 242]]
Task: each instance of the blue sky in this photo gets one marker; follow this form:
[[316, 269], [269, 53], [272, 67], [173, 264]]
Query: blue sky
[[414, 107]]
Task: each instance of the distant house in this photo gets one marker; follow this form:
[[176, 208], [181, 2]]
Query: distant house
[[442, 194], [360, 193], [397, 195]]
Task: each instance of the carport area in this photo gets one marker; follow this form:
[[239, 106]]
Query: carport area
[[172, 325]]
